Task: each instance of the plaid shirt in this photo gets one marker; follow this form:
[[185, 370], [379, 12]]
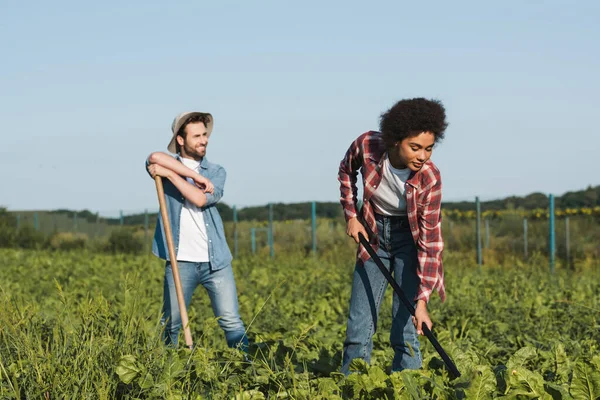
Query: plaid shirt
[[423, 205]]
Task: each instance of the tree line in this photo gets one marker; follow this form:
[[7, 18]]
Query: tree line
[[589, 197]]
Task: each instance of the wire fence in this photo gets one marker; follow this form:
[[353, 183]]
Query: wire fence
[[573, 235]]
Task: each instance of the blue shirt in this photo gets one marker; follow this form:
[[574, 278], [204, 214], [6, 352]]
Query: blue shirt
[[218, 251]]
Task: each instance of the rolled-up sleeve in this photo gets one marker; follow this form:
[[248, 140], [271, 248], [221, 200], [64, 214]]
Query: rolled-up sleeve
[[218, 181]]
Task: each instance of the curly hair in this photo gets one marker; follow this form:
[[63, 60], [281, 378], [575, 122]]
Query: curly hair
[[411, 116], [204, 118]]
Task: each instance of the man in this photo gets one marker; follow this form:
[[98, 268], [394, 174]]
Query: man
[[193, 186], [401, 218]]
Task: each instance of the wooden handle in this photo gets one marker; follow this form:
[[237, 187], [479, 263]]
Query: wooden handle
[[173, 257]]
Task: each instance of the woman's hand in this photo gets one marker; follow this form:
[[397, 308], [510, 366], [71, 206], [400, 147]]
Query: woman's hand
[[421, 317]]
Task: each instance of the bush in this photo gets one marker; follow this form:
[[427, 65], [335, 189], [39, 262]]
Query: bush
[[125, 240], [8, 236], [28, 238], [8, 232], [68, 241]]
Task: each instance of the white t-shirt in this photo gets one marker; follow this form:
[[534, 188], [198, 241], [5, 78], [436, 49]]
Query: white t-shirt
[[193, 241], [390, 197]]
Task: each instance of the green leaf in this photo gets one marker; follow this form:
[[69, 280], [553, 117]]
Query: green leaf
[[328, 386], [466, 361], [147, 382], [411, 383], [261, 375], [586, 382], [127, 369], [250, 395], [373, 379], [359, 365], [172, 369], [596, 362], [562, 367], [558, 392], [483, 385], [378, 377], [357, 384], [397, 382], [527, 382], [521, 358]]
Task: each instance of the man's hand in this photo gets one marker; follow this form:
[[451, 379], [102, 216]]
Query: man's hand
[[158, 170], [354, 228], [421, 316], [204, 184]]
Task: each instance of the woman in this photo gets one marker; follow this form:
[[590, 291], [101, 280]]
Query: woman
[[401, 216]]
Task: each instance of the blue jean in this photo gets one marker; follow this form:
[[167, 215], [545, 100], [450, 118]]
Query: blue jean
[[398, 253], [220, 286]]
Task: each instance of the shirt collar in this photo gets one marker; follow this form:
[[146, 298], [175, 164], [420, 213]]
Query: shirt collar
[[413, 178]]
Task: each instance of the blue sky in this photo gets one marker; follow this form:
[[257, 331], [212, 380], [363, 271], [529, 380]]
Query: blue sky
[[89, 89]]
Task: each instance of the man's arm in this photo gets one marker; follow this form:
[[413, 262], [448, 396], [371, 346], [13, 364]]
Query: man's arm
[[171, 163], [191, 192]]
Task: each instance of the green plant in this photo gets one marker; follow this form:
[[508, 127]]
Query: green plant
[[86, 325]]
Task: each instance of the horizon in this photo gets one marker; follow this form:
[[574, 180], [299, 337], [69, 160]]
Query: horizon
[[116, 214]]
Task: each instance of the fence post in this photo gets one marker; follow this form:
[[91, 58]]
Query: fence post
[[271, 241], [314, 227], [478, 231], [18, 221], [235, 232], [253, 239], [36, 221], [121, 219], [75, 221], [551, 235]]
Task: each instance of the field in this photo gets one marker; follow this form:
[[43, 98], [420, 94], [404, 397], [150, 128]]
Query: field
[[86, 325]]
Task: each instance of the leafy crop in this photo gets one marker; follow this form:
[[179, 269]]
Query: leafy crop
[[86, 325]]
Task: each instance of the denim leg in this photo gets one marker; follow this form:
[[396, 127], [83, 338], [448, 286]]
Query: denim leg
[[221, 289], [368, 289], [171, 318], [403, 336]]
